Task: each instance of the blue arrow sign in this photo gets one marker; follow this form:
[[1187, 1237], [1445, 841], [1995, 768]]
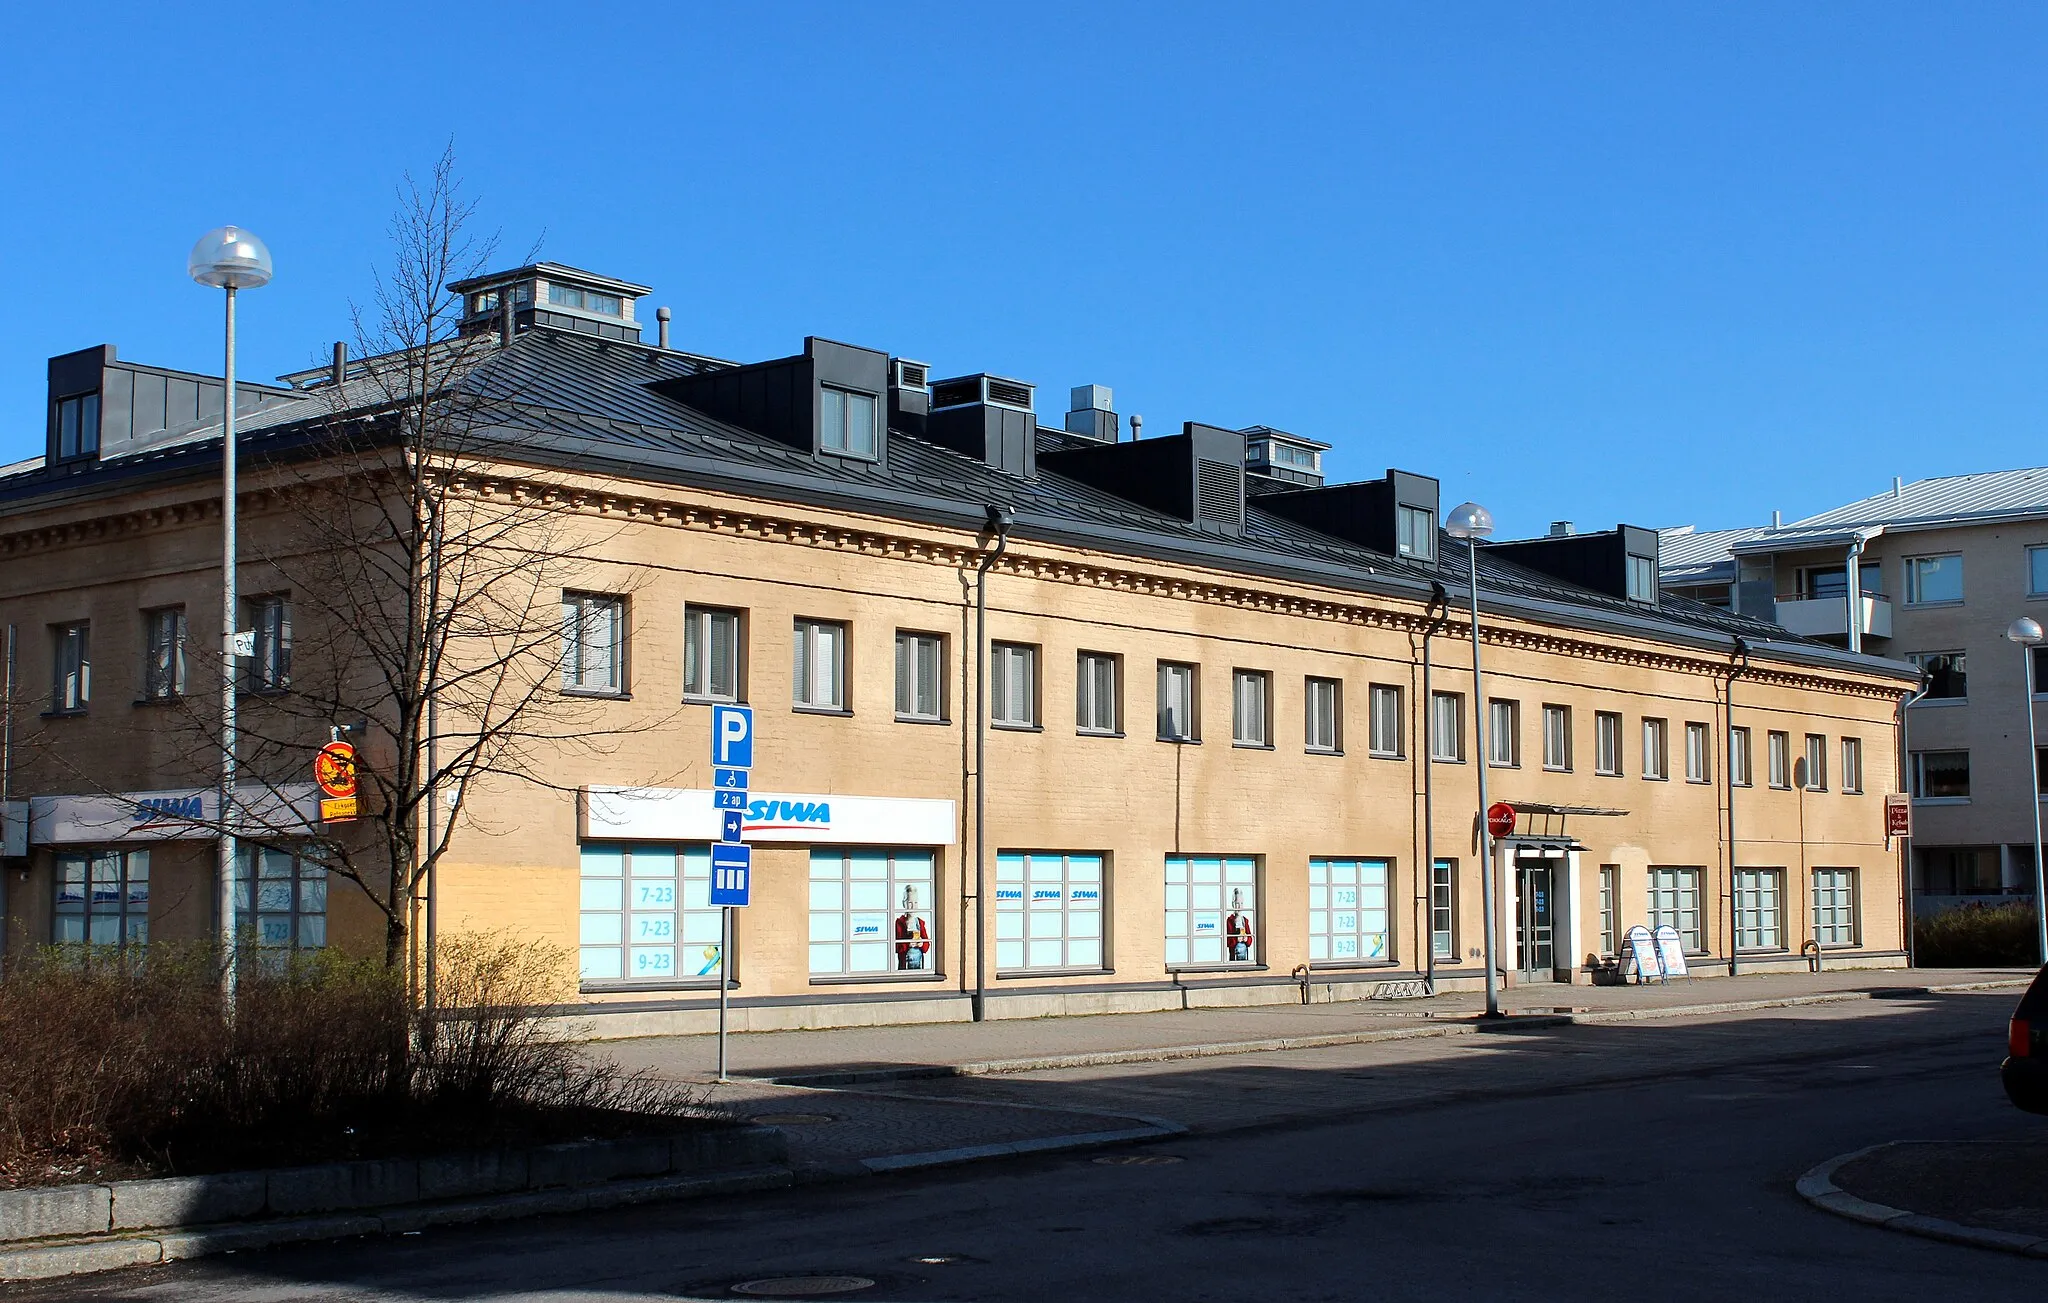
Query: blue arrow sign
[[731, 820], [732, 871]]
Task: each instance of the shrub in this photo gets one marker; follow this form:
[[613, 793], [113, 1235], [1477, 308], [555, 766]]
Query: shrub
[[1977, 936], [128, 1062]]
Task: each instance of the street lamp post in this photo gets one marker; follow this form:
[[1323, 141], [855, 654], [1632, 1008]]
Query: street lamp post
[[228, 258], [2026, 631], [1473, 523]]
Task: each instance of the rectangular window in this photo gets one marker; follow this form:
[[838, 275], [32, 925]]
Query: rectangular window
[[1834, 907], [1557, 738], [1415, 532], [102, 898], [1446, 726], [1013, 685], [1386, 724], [847, 422], [920, 677], [818, 671], [1941, 775], [647, 915], [1675, 900], [1656, 749], [871, 912], [1097, 701], [2038, 658], [1781, 760], [1251, 695], [1443, 913], [1934, 579], [1759, 909], [1948, 677], [1642, 579], [1504, 734], [71, 667], [1739, 771], [1852, 765], [1212, 910], [163, 654], [1049, 914], [1607, 743], [593, 643], [1323, 715], [1610, 909], [2041, 770], [282, 905], [1177, 703], [270, 669], [1347, 911], [1699, 753], [2037, 572], [78, 425], [711, 654], [1816, 767]]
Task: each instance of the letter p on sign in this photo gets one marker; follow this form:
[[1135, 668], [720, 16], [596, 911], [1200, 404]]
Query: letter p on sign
[[732, 736]]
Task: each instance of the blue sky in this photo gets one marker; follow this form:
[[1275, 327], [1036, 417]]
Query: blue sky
[[1654, 263]]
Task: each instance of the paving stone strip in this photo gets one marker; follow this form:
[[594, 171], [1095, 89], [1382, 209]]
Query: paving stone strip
[[1818, 1188]]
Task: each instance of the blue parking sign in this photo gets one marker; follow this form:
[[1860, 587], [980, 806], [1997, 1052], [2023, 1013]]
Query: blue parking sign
[[732, 736], [732, 867]]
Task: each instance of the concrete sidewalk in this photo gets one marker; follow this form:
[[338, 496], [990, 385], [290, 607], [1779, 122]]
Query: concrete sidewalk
[[845, 1056]]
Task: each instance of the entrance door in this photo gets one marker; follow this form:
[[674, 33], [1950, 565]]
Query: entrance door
[[1533, 914]]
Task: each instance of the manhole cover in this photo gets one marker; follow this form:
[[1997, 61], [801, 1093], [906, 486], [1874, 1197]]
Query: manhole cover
[[1137, 1160], [794, 1119], [801, 1286]]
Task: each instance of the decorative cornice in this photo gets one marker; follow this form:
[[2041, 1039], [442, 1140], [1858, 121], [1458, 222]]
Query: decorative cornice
[[867, 541]]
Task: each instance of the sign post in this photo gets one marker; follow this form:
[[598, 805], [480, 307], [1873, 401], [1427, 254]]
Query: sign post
[[732, 860]]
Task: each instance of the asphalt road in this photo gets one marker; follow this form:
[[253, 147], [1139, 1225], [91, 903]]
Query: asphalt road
[[1653, 1161]]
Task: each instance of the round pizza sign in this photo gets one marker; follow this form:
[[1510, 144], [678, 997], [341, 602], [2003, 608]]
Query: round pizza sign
[[335, 769]]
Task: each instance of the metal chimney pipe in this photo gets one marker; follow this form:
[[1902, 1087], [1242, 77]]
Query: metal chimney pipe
[[505, 317], [661, 316], [340, 363], [1137, 424]]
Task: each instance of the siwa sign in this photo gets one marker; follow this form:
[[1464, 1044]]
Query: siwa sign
[[690, 814]]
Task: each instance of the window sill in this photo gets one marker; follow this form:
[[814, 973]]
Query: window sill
[[1557, 769], [1249, 967], [1941, 800], [1656, 778], [925, 975], [1097, 732], [1385, 755], [1182, 741], [1503, 764], [64, 714], [260, 693], [1323, 751], [1942, 701], [1350, 965], [1447, 760], [1608, 773], [1923, 606], [169, 699], [692, 699], [1015, 728], [839, 711], [920, 719], [628, 988], [1251, 746], [1026, 974], [594, 694]]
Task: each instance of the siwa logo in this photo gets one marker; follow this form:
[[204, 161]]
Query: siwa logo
[[152, 808], [789, 814]]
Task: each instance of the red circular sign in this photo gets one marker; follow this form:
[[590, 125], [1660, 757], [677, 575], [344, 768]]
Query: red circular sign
[[335, 769], [1500, 818]]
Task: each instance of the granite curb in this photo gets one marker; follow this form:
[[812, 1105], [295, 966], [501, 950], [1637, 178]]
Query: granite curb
[[1818, 1188], [1461, 1024]]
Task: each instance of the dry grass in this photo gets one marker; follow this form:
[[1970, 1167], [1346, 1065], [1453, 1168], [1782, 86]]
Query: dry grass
[[129, 1064]]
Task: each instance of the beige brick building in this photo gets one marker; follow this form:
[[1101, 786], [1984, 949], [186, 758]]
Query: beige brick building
[[1207, 738]]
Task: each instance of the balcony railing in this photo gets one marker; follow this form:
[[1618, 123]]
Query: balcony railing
[[1828, 617]]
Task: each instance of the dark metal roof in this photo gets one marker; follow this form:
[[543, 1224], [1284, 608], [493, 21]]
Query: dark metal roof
[[578, 402]]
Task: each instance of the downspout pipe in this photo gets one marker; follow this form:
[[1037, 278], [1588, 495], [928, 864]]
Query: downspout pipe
[[1736, 670], [1855, 598], [1440, 602], [1905, 759], [1000, 519]]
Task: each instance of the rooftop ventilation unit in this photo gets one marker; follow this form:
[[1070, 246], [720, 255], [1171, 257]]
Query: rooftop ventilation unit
[[1092, 413], [910, 396], [970, 391]]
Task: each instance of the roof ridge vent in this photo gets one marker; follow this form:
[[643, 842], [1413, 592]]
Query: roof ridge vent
[[995, 391]]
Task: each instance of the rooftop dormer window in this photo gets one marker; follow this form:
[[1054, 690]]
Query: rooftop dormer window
[[847, 422], [1286, 454], [78, 426], [1642, 578], [569, 296], [1415, 532], [488, 301]]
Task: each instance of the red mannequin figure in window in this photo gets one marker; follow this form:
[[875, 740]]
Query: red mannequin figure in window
[[913, 937], [1237, 929]]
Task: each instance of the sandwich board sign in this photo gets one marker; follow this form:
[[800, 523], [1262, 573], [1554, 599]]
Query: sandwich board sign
[[1670, 952], [1642, 952]]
